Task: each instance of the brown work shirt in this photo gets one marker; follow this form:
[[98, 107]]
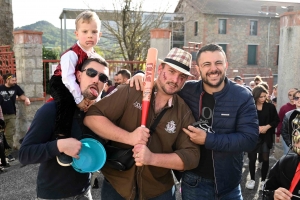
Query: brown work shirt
[[123, 107]]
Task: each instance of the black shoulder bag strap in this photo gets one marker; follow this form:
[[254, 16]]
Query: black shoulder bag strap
[[86, 132], [158, 118], [178, 174]]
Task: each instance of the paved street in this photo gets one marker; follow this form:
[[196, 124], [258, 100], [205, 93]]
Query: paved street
[[18, 183]]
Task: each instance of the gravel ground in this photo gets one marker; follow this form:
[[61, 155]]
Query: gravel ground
[[19, 182]]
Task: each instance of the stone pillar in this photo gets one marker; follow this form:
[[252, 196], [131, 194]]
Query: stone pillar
[[289, 48], [29, 71], [288, 66], [161, 40]]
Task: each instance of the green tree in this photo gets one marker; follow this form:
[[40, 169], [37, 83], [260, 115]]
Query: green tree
[[129, 29], [50, 54]]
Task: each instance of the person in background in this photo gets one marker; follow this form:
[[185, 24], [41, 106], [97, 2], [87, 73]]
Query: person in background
[[9, 92], [63, 84], [274, 92], [41, 146], [106, 88], [122, 76], [283, 110], [240, 81], [110, 89], [116, 80], [226, 126], [268, 121], [274, 101], [252, 84], [257, 80], [266, 86]]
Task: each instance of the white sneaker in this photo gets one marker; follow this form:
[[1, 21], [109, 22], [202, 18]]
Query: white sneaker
[[250, 184], [246, 162], [259, 165], [262, 185]]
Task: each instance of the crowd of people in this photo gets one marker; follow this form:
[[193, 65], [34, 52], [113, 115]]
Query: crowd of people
[[195, 129]]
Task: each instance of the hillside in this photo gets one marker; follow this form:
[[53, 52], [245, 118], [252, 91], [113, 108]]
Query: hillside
[[51, 34]]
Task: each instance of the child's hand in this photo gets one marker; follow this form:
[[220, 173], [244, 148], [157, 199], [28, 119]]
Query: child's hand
[[90, 102], [83, 105]]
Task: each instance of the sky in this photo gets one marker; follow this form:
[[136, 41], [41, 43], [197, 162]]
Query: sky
[[26, 12]]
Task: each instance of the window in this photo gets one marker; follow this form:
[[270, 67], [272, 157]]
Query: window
[[222, 26], [252, 54], [224, 47], [196, 29], [253, 27]]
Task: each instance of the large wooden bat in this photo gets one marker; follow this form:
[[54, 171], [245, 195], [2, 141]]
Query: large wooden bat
[[148, 85]]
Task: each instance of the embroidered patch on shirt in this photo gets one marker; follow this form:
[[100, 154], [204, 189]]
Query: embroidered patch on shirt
[[137, 105], [171, 127]]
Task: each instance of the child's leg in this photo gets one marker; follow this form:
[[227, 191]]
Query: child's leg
[[65, 105]]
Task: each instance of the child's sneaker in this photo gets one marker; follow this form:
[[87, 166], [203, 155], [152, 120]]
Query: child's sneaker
[[10, 158], [64, 160]]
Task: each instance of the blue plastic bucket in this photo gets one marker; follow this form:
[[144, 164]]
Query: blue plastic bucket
[[92, 156]]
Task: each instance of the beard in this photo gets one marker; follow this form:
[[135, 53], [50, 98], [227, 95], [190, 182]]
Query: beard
[[11, 84], [164, 89], [204, 79], [87, 94]]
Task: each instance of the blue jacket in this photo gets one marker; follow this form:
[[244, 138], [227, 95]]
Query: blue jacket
[[235, 124], [40, 146]]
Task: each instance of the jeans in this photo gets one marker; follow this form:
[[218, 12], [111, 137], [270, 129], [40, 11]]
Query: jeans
[[87, 195], [194, 187], [284, 146], [109, 193]]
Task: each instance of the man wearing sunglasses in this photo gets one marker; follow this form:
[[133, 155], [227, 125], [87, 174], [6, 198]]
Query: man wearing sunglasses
[[9, 91], [41, 146]]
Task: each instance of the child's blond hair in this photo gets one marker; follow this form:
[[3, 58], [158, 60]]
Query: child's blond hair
[[86, 17]]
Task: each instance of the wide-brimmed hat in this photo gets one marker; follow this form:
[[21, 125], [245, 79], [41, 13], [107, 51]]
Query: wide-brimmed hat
[[179, 59]]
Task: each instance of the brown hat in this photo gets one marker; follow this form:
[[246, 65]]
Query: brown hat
[[179, 59]]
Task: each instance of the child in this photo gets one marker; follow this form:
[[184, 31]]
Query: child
[[63, 84]]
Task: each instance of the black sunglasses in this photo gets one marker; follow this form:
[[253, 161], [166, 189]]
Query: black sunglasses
[[296, 98], [92, 73]]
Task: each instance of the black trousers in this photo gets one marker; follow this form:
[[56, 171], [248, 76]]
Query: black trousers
[[2, 149], [65, 105]]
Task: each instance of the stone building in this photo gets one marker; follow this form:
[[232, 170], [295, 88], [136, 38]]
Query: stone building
[[247, 30]]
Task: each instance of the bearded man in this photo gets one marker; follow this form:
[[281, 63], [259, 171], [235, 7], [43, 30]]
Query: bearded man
[[9, 91]]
